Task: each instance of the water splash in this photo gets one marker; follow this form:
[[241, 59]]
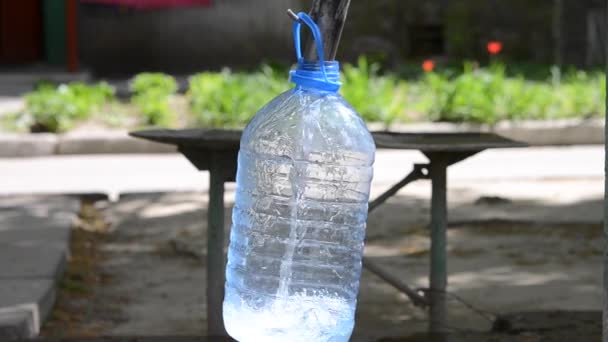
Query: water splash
[[294, 319]]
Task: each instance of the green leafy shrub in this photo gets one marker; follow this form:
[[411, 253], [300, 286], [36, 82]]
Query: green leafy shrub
[[472, 96], [466, 94], [151, 95], [57, 109], [228, 99], [155, 108], [452, 92], [488, 95], [231, 99], [580, 94], [375, 97], [153, 81]]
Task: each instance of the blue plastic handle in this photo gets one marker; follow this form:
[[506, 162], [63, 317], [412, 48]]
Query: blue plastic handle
[[316, 33]]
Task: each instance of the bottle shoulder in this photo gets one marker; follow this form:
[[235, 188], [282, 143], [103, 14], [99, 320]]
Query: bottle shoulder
[[299, 120]]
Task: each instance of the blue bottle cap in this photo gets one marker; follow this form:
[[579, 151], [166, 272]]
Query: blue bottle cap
[[321, 75]]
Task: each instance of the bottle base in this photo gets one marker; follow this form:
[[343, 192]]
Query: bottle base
[[294, 319]]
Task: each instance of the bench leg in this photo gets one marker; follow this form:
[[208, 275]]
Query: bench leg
[[438, 269], [215, 254]]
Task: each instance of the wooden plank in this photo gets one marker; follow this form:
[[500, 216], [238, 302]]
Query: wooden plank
[[330, 16]]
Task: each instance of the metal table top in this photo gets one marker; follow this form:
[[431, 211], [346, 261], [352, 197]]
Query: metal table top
[[221, 139]]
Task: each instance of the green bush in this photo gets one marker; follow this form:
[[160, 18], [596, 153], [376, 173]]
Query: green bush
[[228, 99], [57, 109], [582, 94], [467, 94], [488, 95], [155, 108], [153, 81], [151, 95], [454, 93], [374, 97], [231, 99]]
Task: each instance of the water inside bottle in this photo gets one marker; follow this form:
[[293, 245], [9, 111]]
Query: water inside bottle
[[299, 222]]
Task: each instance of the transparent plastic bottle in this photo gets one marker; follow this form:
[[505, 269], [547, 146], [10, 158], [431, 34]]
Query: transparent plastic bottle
[[303, 181]]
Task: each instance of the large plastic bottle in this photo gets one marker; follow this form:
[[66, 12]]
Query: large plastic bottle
[[303, 181]]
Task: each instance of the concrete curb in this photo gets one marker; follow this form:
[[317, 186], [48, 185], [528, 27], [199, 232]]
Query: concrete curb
[[104, 142], [535, 133], [34, 247], [27, 145], [107, 142]]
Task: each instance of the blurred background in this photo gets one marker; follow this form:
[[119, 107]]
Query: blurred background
[[403, 61], [112, 37], [104, 234]]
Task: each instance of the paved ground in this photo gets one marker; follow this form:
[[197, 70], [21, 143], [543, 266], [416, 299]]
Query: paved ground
[[116, 174], [154, 256], [34, 245], [525, 236]]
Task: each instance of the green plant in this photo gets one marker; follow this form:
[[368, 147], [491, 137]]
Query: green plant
[[155, 108], [374, 97], [57, 109], [228, 99], [15, 122], [488, 95], [153, 81], [467, 94], [600, 82], [476, 95], [432, 95], [579, 94], [151, 95]]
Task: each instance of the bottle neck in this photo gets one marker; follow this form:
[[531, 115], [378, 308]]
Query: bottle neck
[[312, 75]]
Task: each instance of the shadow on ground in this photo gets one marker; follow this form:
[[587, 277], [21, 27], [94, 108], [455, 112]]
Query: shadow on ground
[[533, 263]]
